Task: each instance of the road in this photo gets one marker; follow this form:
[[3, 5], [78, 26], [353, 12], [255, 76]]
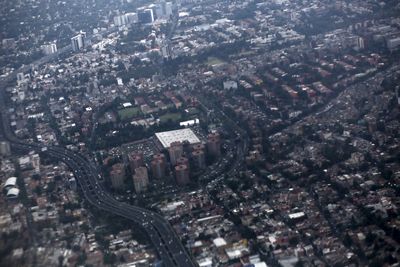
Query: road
[[162, 235]]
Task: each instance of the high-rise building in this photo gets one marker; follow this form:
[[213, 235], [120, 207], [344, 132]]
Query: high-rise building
[[120, 20], [198, 146], [158, 166], [183, 161], [125, 19], [78, 41], [140, 179], [163, 9], [393, 43], [35, 160], [168, 9], [214, 144], [135, 160], [132, 17], [153, 7], [360, 43], [175, 151], [72, 183], [5, 149], [117, 175], [159, 10], [49, 49], [146, 15], [182, 174], [199, 159]]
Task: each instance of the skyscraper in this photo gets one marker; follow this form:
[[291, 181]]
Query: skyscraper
[[78, 41], [158, 166], [182, 174], [135, 160], [168, 9], [117, 175], [49, 49], [120, 20], [175, 151], [183, 161], [199, 159], [5, 148], [214, 144], [35, 160], [140, 179], [146, 16]]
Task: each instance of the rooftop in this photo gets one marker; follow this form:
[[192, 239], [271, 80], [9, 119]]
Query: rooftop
[[166, 138]]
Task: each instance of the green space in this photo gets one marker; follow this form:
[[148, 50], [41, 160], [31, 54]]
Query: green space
[[128, 113], [245, 53], [214, 61], [170, 116], [193, 111]]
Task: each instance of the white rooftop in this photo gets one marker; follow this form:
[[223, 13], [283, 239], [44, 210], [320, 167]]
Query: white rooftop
[[219, 242], [297, 215], [206, 262], [13, 192], [166, 138], [12, 181]]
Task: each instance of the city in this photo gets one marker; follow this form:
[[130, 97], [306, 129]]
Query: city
[[200, 133]]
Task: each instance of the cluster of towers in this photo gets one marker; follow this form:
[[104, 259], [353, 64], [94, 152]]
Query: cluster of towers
[[194, 157], [182, 159]]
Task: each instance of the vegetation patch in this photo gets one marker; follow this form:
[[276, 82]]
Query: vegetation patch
[[128, 113], [214, 61], [170, 116]]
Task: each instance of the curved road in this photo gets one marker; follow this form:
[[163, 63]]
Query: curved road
[[162, 235]]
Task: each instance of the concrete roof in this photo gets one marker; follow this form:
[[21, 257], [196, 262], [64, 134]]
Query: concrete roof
[[166, 138], [12, 181]]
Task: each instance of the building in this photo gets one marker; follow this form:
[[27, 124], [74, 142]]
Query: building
[[125, 19], [360, 43], [120, 20], [78, 41], [10, 183], [198, 146], [49, 49], [131, 17], [182, 135], [146, 16], [160, 7], [135, 160], [182, 174], [158, 166], [5, 149], [183, 161], [175, 151], [199, 159], [168, 9], [140, 179], [12, 193], [35, 160], [229, 85], [393, 44], [117, 176], [164, 10], [214, 144]]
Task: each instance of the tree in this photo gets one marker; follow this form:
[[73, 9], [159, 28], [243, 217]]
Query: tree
[[347, 241], [109, 258]]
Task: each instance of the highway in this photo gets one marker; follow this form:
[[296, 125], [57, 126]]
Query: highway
[[162, 235]]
